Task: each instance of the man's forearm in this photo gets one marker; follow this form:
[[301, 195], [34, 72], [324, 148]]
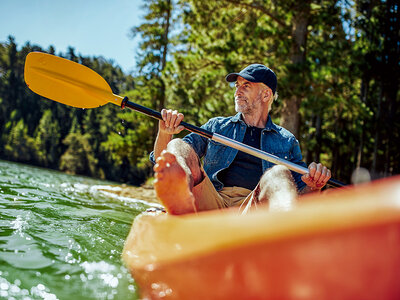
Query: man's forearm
[[161, 143]]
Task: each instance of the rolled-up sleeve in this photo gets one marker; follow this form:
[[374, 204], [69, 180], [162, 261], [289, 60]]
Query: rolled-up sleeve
[[197, 142], [152, 158]]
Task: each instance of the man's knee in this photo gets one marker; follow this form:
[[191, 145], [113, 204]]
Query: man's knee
[[187, 158], [176, 144], [278, 172], [182, 149], [277, 177]]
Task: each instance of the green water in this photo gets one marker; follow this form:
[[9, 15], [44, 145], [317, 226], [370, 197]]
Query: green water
[[61, 237]]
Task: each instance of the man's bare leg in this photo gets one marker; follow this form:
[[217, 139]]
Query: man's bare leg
[[278, 189], [177, 171]]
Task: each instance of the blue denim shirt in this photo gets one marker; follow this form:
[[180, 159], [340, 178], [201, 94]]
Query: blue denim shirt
[[216, 157]]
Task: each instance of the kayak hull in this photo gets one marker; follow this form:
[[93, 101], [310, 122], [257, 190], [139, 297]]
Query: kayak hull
[[338, 266], [345, 260]]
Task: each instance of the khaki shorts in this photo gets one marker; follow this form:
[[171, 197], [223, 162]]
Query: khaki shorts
[[207, 197]]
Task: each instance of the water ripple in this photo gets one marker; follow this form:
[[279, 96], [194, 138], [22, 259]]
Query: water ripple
[[61, 236]]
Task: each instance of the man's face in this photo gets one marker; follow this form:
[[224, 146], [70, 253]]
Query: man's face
[[248, 96]]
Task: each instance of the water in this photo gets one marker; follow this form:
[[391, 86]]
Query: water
[[61, 237]]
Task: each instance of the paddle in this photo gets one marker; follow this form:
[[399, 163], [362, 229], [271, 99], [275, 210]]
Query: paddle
[[75, 85]]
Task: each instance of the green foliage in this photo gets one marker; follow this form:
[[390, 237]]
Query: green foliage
[[19, 145], [42, 132], [79, 157], [47, 140]]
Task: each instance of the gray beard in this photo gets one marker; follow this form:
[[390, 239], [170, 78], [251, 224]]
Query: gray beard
[[246, 109], [242, 109]]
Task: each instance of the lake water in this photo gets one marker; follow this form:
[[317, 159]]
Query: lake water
[[61, 236]]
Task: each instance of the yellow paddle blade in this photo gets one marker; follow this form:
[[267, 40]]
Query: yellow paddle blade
[[67, 82]]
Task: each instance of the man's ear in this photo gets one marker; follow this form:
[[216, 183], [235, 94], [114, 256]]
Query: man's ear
[[267, 94]]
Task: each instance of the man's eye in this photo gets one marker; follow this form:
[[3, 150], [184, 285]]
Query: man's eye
[[246, 85]]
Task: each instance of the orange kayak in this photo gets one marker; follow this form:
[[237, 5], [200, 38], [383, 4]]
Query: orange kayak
[[343, 244]]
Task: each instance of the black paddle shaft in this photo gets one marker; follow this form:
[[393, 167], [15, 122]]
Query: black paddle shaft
[[157, 115], [208, 134]]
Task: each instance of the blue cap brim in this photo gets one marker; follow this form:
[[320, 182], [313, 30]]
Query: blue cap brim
[[232, 77]]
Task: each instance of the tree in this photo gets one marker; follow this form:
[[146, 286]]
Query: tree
[[154, 48], [377, 49], [47, 139], [28, 121], [225, 36], [79, 157], [19, 145], [130, 143]]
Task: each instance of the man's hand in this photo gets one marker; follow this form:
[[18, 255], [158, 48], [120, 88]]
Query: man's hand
[[170, 123], [317, 177]]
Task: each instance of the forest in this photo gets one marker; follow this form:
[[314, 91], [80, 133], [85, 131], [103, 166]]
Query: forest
[[338, 69]]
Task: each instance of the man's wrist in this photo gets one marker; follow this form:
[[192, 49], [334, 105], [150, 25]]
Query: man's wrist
[[164, 136]]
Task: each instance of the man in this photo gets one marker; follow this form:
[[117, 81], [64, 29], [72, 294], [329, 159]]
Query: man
[[230, 177]]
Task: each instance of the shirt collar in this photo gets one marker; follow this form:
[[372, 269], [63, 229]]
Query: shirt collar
[[237, 118], [269, 126]]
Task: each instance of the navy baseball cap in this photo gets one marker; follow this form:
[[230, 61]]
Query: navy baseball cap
[[256, 73]]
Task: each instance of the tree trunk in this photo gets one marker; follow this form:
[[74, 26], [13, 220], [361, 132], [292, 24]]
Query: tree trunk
[[290, 118], [363, 96], [318, 136], [376, 139], [391, 84], [164, 54], [163, 62]]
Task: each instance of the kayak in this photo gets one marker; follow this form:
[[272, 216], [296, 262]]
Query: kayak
[[342, 244]]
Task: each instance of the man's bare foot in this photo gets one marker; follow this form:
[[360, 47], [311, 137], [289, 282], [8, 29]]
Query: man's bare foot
[[171, 185]]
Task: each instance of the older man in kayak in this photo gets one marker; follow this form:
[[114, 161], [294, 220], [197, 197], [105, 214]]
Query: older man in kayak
[[229, 177]]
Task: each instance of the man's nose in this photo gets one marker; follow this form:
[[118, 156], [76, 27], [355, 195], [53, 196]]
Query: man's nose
[[238, 91]]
